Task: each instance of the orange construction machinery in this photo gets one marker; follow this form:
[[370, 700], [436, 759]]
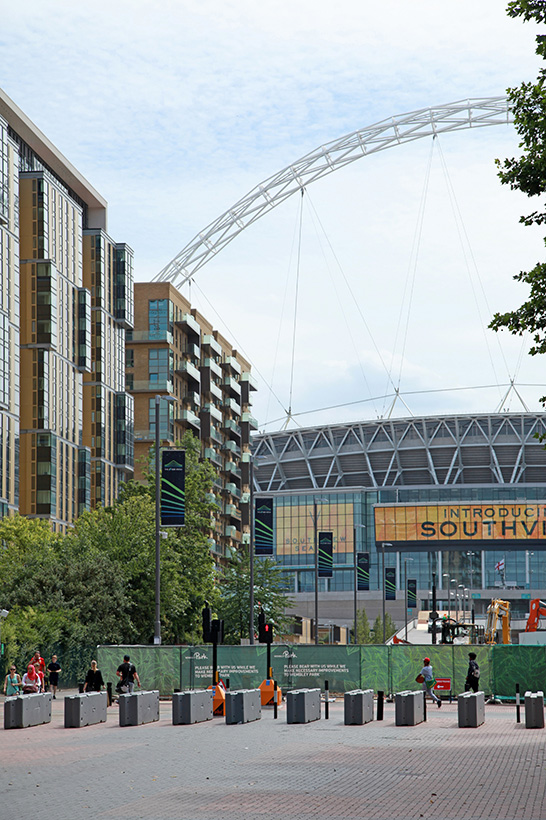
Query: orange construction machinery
[[537, 611], [498, 609]]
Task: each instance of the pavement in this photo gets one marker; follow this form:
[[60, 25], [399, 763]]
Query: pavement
[[270, 770]]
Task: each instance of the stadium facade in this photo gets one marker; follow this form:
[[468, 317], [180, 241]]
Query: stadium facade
[[460, 497]]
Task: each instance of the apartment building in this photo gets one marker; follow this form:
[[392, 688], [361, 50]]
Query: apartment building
[[175, 353], [66, 302]]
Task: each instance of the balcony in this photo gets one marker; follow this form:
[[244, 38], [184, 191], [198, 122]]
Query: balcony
[[231, 363], [232, 447], [232, 532], [161, 386], [191, 399], [190, 418], [233, 511], [216, 391], [215, 435], [189, 325], [232, 427], [192, 351], [248, 418], [210, 343], [213, 366], [231, 404], [231, 468], [214, 412], [232, 489], [190, 372], [248, 377], [213, 456], [149, 336], [232, 387]]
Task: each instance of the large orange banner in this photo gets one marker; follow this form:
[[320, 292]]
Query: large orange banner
[[425, 523]]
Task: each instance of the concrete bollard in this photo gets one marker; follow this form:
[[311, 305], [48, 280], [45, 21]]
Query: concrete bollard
[[303, 705], [22, 711], [408, 708], [471, 709], [358, 707], [534, 710], [192, 707], [85, 709], [138, 708], [243, 706]]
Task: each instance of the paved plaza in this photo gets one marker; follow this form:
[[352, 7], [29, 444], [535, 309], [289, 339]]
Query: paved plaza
[[270, 770]]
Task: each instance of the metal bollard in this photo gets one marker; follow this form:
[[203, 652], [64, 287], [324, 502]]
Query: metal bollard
[[380, 704], [109, 692], [327, 704], [518, 712], [275, 697], [424, 706]]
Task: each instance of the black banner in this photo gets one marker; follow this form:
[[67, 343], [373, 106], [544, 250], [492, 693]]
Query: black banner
[[172, 498], [390, 583], [263, 526], [363, 571], [325, 554], [412, 593]]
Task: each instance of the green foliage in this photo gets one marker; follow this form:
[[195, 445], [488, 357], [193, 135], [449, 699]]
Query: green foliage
[[363, 632], [527, 173], [270, 592], [377, 629]]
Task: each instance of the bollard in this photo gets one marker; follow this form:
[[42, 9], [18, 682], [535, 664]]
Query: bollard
[[80, 688], [471, 709], [192, 707], [85, 709], [139, 707], [109, 692], [243, 706], [358, 707], [518, 715], [275, 705], [534, 710], [303, 705], [380, 704], [227, 684], [22, 711], [424, 706], [408, 708], [327, 703]]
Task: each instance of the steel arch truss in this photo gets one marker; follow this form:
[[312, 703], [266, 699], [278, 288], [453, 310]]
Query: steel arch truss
[[457, 116], [499, 449]]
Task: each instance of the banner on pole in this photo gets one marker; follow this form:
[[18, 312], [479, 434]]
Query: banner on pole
[[263, 526], [412, 593], [390, 583], [172, 498], [363, 571], [325, 554]]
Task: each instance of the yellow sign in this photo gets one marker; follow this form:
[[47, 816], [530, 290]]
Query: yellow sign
[[295, 529], [460, 522]]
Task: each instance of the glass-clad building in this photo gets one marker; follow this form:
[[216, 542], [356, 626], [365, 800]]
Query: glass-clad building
[[460, 500]]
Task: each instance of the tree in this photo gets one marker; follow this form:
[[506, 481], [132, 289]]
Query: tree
[[528, 174], [377, 629], [270, 592], [363, 633]]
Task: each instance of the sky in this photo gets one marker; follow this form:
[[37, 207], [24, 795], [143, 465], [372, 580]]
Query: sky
[[174, 110]]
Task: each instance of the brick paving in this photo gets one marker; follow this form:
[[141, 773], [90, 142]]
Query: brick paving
[[269, 770]]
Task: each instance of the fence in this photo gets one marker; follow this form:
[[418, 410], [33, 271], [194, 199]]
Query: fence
[[387, 668]]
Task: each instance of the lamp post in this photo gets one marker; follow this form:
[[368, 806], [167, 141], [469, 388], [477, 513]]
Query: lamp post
[[461, 586], [406, 595], [157, 624], [359, 526], [315, 542], [445, 575], [3, 614], [251, 546], [383, 545]]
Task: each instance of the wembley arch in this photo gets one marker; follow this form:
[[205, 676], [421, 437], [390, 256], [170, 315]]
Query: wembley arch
[[397, 130]]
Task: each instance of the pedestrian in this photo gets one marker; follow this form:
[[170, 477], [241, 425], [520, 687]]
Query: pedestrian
[[473, 674], [445, 629], [31, 680], [426, 678], [127, 675], [39, 664], [13, 684], [54, 668], [93, 680]]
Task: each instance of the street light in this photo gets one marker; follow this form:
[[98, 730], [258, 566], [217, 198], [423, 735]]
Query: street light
[[461, 586], [251, 545], [383, 545], [157, 627], [315, 537], [406, 595], [359, 526], [445, 575]]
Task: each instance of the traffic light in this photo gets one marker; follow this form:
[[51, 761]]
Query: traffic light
[[217, 631], [265, 633], [207, 637]]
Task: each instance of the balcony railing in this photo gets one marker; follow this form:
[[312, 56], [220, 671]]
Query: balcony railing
[[161, 386]]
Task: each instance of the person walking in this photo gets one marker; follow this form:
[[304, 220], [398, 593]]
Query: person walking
[[31, 680], [426, 678], [13, 684], [473, 674], [93, 680], [127, 675], [54, 668]]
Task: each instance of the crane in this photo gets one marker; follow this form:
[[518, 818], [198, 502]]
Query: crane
[[498, 609], [536, 610]]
